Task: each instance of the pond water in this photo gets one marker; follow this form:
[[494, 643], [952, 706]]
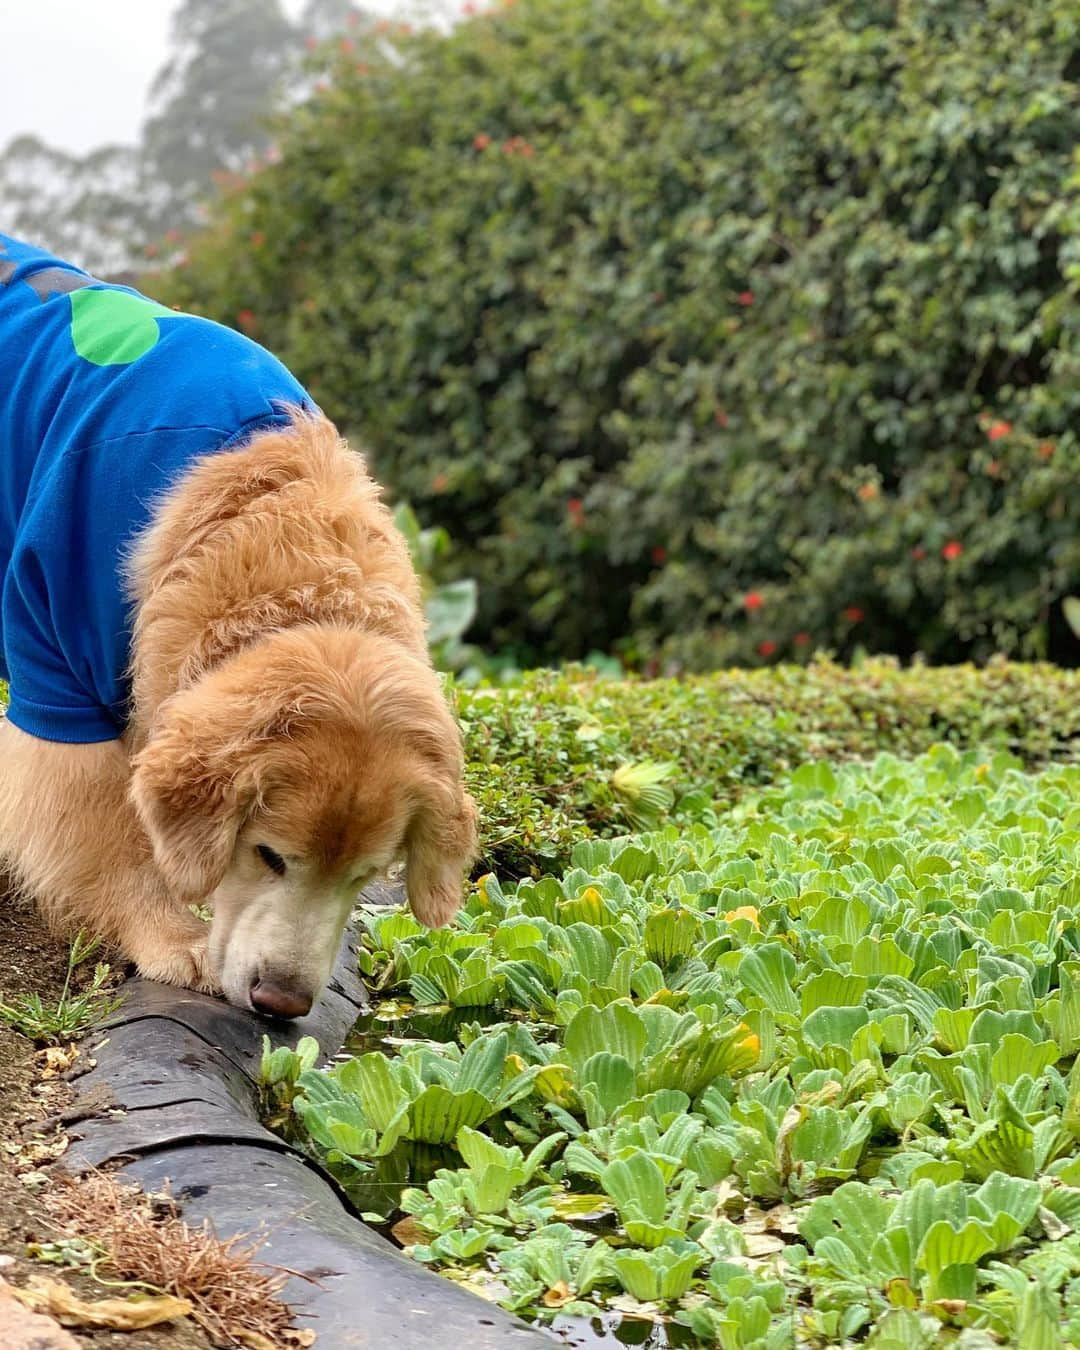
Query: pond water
[[612, 1329]]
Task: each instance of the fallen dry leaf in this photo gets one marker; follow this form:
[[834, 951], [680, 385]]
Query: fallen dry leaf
[[256, 1341], [45, 1150], [145, 1240], [762, 1244], [557, 1295], [112, 1314], [726, 1195], [21, 1329], [408, 1232], [1054, 1228], [782, 1219], [57, 1059]]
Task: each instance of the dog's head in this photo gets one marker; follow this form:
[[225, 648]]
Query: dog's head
[[281, 783]]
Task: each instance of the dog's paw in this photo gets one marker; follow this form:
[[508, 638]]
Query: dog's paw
[[184, 962]]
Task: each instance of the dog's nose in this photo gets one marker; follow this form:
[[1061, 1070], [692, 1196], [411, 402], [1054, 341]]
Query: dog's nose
[[276, 1000]]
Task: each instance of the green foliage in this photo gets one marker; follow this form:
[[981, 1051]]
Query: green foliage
[[803, 1074], [72, 1015], [449, 606], [749, 327], [546, 757]]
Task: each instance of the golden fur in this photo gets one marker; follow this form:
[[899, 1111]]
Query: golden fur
[[281, 695]]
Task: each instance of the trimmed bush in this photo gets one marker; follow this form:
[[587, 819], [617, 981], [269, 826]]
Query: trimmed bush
[[749, 327], [541, 755]]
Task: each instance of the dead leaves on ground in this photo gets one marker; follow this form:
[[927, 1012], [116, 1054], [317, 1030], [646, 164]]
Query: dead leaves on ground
[[58, 1300], [143, 1240]]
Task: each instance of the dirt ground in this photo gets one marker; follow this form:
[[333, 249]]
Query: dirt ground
[[31, 962]]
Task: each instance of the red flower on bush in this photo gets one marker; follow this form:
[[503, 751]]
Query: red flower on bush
[[151, 250], [258, 239], [347, 45], [753, 600], [172, 236], [993, 468], [952, 550], [575, 509], [802, 639], [311, 43], [1045, 450], [996, 431], [853, 614], [868, 492], [440, 483], [721, 418], [918, 553], [659, 555], [468, 9], [766, 647], [745, 298], [482, 141], [247, 320]]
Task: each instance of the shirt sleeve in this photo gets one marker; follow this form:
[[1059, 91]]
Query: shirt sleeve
[[46, 699]]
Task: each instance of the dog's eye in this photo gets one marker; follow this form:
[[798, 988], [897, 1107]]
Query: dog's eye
[[274, 861]]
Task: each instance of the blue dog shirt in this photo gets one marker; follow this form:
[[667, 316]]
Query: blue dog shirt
[[106, 398]]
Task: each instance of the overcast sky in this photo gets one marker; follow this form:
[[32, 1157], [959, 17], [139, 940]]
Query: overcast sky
[[76, 72]]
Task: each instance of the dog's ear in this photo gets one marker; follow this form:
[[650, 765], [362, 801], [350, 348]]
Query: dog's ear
[[441, 843], [191, 791]]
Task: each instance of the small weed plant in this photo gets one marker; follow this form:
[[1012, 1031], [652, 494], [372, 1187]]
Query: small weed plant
[[801, 1071], [73, 1014]]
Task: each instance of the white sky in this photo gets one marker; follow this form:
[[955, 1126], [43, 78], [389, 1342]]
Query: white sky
[[77, 72]]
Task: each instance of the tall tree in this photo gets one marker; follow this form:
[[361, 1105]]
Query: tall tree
[[231, 64], [84, 207], [210, 101]]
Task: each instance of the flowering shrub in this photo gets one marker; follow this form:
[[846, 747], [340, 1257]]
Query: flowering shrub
[[744, 328]]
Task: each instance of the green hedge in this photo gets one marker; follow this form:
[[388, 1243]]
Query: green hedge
[[540, 756], [747, 327]]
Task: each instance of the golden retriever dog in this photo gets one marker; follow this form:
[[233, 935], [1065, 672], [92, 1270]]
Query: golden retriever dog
[[286, 739]]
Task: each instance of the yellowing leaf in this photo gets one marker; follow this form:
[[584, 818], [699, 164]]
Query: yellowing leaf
[[408, 1232], [900, 1293], [111, 1314], [557, 1295], [748, 912], [554, 1084]]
